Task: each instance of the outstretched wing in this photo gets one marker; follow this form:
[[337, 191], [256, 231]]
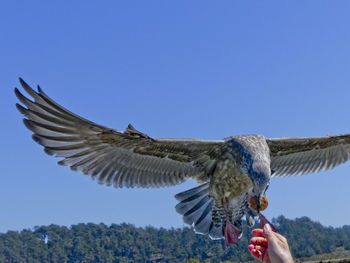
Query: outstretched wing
[[117, 158], [297, 156]]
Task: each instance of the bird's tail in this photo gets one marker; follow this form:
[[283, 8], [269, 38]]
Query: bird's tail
[[210, 218], [196, 207]]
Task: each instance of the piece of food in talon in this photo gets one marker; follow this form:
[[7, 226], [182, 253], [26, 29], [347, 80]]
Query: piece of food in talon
[[253, 202]]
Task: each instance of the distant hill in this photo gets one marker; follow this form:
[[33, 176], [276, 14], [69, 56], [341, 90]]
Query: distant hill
[[127, 243]]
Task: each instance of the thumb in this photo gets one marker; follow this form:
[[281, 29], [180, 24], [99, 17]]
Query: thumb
[[269, 234]]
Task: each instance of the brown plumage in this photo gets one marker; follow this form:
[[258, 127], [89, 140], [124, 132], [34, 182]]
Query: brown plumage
[[234, 173]]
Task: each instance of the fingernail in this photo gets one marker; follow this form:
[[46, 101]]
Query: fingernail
[[267, 228]]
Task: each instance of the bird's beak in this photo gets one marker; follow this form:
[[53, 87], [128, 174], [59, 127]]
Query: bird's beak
[[258, 202]]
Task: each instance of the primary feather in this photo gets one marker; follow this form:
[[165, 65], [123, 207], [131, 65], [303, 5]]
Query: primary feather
[[128, 158]]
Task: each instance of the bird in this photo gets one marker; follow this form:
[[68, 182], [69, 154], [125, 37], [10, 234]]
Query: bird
[[233, 173]]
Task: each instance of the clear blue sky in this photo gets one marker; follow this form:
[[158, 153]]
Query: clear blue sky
[[200, 69]]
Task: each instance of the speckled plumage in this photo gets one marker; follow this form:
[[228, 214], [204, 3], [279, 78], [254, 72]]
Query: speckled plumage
[[229, 171]]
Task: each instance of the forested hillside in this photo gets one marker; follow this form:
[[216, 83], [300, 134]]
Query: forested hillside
[[127, 243]]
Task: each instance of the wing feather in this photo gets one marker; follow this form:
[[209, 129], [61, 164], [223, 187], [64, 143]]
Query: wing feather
[[297, 156], [130, 158]]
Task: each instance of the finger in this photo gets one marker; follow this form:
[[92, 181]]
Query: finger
[[258, 232], [257, 251], [272, 237], [257, 247], [261, 241], [252, 250], [254, 253], [261, 249], [251, 247], [257, 254]]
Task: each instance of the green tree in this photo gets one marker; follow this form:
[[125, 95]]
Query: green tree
[[125, 243]]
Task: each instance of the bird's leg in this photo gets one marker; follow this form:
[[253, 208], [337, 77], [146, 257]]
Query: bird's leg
[[232, 233], [225, 204]]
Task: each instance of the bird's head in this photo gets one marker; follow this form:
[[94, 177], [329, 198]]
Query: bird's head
[[260, 176]]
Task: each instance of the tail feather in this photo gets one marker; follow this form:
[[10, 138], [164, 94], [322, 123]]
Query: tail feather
[[209, 217], [196, 207], [203, 223], [192, 215], [190, 198], [216, 231], [185, 206], [201, 189]]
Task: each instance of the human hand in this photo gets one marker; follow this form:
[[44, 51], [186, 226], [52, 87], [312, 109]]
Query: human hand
[[269, 247]]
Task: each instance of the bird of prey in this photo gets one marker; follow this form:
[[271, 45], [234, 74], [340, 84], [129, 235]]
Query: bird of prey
[[233, 173]]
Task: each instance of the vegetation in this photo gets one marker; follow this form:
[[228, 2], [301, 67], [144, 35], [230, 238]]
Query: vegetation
[[127, 243], [338, 255]]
